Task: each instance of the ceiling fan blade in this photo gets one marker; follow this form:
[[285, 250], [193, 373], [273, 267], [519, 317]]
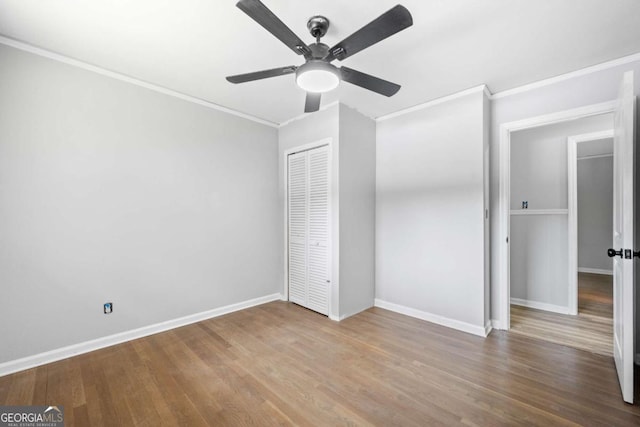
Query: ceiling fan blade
[[396, 19], [375, 84], [275, 72], [312, 103], [263, 16]]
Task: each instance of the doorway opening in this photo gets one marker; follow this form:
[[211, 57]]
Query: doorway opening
[[549, 298], [579, 315]]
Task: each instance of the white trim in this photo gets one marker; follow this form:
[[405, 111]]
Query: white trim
[[498, 325], [540, 305], [595, 271], [303, 115], [538, 212], [520, 89], [487, 92], [298, 149], [433, 318], [434, 102], [123, 77], [307, 147], [504, 200], [572, 203], [567, 76], [28, 362], [344, 316], [560, 116], [325, 107], [488, 328], [339, 318], [595, 156], [132, 80], [504, 218], [572, 223]]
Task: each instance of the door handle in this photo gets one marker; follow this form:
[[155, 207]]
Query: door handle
[[612, 253]]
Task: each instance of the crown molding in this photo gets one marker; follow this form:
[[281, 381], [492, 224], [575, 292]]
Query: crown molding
[[192, 99], [303, 115], [437, 101], [520, 89], [132, 80], [567, 76]]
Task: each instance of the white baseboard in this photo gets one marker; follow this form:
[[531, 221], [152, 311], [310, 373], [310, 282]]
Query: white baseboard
[[595, 271], [540, 305], [360, 310], [433, 318], [28, 362], [498, 325], [488, 328]]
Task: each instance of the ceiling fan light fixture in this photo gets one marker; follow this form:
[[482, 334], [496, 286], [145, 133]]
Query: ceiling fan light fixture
[[317, 77]]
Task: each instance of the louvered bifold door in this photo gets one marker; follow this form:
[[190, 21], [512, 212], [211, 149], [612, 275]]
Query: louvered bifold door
[[318, 231], [308, 213], [298, 195]]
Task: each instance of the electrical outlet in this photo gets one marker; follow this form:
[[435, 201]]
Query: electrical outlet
[[108, 307]]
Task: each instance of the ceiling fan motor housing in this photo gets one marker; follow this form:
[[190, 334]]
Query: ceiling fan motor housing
[[318, 50], [318, 26]]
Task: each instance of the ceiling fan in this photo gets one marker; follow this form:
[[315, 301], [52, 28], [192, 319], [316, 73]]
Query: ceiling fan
[[317, 75]]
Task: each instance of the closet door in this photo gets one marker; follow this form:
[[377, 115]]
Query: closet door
[[318, 229], [298, 194], [308, 205]]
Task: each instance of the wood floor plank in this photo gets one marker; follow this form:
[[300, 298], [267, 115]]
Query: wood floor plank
[[20, 387], [590, 330], [40, 387], [280, 364], [595, 295]]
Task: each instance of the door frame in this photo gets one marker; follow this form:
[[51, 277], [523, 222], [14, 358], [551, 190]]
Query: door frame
[[572, 193], [297, 149], [504, 192]]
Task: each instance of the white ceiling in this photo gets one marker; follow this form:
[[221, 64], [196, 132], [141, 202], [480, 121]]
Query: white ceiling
[[191, 45]]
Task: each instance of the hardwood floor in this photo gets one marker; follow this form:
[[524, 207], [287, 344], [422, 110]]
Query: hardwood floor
[[595, 295], [590, 330], [280, 364]]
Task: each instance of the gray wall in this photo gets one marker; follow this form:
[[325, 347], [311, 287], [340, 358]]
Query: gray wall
[[539, 161], [539, 251], [357, 211], [430, 209], [539, 259], [111, 192], [595, 212]]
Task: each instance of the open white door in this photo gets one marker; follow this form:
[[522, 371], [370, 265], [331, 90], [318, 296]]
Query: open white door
[[623, 245]]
